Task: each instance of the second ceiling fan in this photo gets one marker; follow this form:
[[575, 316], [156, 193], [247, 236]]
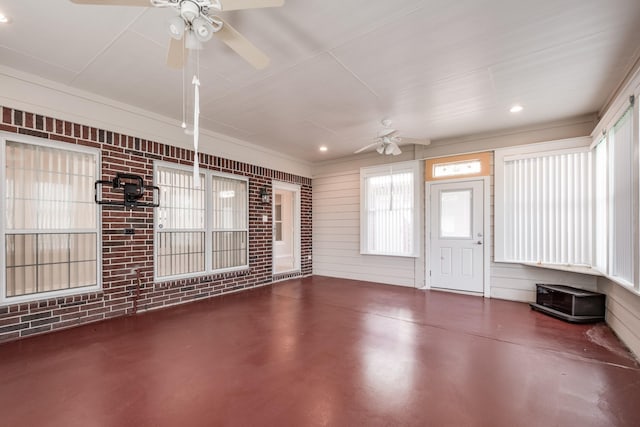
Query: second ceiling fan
[[387, 141]]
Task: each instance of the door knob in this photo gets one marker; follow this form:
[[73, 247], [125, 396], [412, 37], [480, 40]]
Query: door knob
[[478, 242]]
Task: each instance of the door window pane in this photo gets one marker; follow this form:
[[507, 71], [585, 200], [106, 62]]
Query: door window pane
[[455, 214]]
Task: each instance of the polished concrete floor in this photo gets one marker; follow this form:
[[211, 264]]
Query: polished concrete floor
[[321, 351]]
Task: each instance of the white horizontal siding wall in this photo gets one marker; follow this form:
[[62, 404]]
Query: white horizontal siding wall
[[336, 212], [336, 235], [623, 313], [518, 282]]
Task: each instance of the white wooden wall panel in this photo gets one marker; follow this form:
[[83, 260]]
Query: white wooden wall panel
[[518, 282], [336, 235], [623, 313]]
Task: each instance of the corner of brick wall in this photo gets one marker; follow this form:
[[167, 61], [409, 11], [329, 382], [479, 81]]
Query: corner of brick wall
[[125, 257]]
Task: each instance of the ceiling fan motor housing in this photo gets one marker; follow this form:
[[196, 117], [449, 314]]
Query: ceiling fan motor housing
[[189, 10]]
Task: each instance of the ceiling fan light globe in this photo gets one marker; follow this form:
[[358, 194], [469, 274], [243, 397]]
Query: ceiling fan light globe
[[388, 149], [380, 149], [176, 27], [191, 42], [202, 29]]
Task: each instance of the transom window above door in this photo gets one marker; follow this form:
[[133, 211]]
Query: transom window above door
[[463, 166]]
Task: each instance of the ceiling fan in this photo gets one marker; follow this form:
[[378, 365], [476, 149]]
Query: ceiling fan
[[387, 141], [195, 24]]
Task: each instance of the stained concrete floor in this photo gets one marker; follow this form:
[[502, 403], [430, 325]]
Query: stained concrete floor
[[321, 351]]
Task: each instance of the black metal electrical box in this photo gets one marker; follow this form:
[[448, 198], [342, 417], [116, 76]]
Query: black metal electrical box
[[570, 304]]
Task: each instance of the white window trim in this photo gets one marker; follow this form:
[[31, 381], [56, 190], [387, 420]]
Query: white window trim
[[563, 146], [415, 167], [32, 140], [208, 228]]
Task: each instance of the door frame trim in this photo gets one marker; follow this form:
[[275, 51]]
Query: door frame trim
[[296, 189], [486, 225]]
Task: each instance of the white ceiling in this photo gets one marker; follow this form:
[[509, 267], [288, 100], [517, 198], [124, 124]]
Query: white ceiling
[[437, 68]]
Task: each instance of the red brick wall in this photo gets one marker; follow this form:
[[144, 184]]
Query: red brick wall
[[124, 255]]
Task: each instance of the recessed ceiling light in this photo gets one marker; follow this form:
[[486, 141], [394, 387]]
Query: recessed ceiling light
[[516, 108], [4, 19], [323, 148]]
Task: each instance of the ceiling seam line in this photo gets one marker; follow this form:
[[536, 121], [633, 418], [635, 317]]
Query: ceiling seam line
[[111, 43], [369, 88], [260, 80]]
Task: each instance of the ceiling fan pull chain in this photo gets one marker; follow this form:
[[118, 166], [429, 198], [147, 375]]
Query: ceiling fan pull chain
[[196, 130], [184, 96]]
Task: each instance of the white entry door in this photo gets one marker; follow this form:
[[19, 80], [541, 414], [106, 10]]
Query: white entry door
[[456, 246]]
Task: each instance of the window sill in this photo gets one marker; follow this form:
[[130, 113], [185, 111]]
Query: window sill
[[393, 255], [571, 268], [54, 295], [622, 284]]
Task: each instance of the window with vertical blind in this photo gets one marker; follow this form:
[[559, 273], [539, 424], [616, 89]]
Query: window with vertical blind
[[621, 197], [389, 201], [614, 192], [601, 203], [50, 223], [543, 205], [200, 230]]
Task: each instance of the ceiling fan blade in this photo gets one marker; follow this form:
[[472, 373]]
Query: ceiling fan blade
[[249, 4], [243, 47], [366, 147], [416, 141], [388, 132], [177, 54], [140, 3]]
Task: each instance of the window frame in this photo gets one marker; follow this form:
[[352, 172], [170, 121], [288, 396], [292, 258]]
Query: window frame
[[208, 230], [386, 170], [33, 140]]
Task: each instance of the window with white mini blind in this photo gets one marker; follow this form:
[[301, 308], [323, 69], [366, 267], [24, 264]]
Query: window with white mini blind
[[620, 140], [543, 207], [50, 224], [200, 230], [389, 218]]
